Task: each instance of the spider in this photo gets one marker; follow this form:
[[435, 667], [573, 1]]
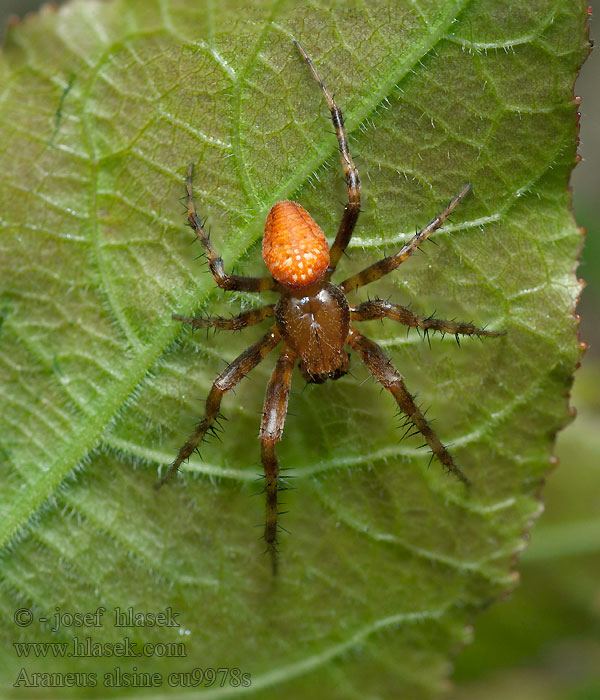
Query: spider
[[312, 318]]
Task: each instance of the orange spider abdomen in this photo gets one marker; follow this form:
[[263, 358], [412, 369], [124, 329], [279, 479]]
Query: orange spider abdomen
[[295, 249]]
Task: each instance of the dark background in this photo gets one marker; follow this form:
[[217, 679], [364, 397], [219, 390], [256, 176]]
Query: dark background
[[544, 642]]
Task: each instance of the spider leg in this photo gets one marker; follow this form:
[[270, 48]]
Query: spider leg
[[235, 323], [389, 377], [352, 206], [387, 265], [215, 262], [379, 308], [231, 375], [271, 429]]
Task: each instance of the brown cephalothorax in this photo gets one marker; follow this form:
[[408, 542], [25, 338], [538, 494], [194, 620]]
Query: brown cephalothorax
[[312, 319], [315, 323]]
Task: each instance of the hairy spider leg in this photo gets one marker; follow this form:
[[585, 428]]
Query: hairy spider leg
[[235, 323], [380, 308], [388, 376], [271, 429], [352, 206], [215, 262], [387, 265], [231, 375]]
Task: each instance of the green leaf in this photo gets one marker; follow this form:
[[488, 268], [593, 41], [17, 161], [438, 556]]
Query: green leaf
[[559, 580], [102, 107]]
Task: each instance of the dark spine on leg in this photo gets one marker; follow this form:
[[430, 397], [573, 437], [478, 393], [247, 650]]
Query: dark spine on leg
[[389, 377], [271, 430], [271, 467]]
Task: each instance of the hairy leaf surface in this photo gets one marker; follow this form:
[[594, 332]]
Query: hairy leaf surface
[[102, 106]]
